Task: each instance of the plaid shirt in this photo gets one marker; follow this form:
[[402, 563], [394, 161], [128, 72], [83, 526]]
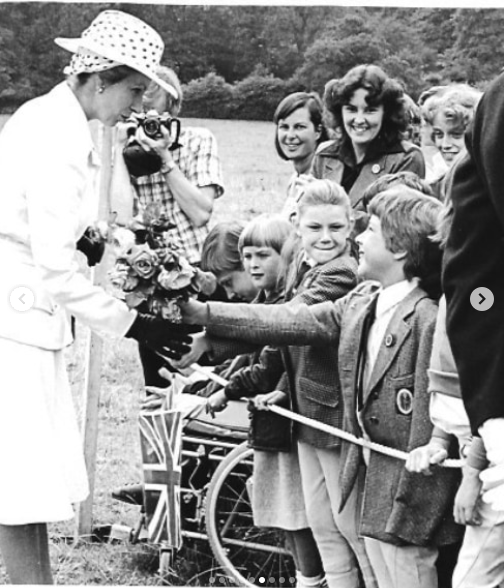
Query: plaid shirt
[[198, 160]]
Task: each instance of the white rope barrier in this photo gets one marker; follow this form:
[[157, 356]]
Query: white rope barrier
[[390, 451]]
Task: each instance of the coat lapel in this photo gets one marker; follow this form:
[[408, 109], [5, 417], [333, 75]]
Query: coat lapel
[[396, 334], [333, 169]]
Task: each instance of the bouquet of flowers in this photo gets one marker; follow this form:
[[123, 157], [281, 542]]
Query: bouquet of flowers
[[150, 269]]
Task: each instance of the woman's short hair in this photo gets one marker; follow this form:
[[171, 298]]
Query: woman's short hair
[[266, 230], [382, 89], [409, 220], [323, 192], [220, 251], [309, 100], [173, 105], [457, 105]]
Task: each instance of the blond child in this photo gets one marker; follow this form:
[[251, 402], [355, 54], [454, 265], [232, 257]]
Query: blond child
[[382, 374], [322, 270]]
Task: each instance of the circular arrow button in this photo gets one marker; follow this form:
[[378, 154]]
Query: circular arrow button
[[482, 298], [22, 299]]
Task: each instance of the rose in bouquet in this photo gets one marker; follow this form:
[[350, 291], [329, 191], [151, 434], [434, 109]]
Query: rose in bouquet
[[150, 268]]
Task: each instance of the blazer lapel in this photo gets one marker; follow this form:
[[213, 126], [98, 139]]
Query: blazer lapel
[[394, 338]]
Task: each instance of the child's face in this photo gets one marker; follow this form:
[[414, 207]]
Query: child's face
[[375, 260], [324, 231], [238, 285], [262, 264], [448, 138]]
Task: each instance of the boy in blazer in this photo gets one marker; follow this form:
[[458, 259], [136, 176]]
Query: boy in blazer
[[383, 378]]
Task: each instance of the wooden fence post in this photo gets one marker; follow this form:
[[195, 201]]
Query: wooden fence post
[[94, 348]]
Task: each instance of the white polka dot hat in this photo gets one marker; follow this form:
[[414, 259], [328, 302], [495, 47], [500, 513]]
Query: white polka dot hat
[[123, 39]]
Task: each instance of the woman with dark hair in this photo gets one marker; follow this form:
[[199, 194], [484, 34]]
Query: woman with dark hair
[[370, 110], [299, 131]]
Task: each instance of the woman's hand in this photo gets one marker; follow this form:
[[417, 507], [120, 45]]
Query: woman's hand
[[465, 509], [200, 344], [263, 401], [422, 458], [194, 312]]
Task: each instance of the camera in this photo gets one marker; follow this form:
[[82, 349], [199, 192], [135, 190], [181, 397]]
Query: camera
[[151, 123], [138, 161]]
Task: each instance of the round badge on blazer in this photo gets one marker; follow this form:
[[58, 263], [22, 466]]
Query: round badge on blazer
[[404, 401], [376, 168], [389, 340]]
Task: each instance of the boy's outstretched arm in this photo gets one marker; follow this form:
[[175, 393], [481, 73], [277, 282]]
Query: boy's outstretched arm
[[279, 324]]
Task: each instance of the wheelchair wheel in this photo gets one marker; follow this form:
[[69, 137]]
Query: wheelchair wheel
[[251, 556]]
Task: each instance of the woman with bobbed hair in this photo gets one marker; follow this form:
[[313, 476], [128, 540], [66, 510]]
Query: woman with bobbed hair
[[299, 130], [370, 111]]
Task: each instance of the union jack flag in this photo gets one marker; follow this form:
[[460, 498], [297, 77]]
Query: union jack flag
[[161, 440]]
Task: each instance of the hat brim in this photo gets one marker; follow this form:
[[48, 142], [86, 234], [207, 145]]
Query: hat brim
[[73, 45]]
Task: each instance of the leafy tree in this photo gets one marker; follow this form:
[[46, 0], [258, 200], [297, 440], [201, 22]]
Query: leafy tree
[[478, 51], [257, 96], [207, 97]]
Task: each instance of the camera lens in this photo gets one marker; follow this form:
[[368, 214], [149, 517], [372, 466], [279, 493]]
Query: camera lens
[[151, 127]]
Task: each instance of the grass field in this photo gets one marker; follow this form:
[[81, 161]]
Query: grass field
[[255, 181]]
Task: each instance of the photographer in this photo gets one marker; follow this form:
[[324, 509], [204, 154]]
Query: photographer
[[190, 177], [183, 190]]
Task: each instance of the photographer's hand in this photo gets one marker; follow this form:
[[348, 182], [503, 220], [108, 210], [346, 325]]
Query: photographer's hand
[[159, 145]]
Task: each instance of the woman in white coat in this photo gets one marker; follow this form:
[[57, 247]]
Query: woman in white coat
[[48, 169]]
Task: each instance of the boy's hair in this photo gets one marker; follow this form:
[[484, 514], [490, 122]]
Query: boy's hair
[[322, 192], [403, 178], [266, 230], [408, 220], [220, 251]]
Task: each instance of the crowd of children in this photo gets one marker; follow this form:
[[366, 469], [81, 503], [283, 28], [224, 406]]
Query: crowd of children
[[358, 341]]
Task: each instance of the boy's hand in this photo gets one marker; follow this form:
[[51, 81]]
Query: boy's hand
[[422, 458], [465, 510], [199, 345], [216, 402], [262, 401], [194, 312]]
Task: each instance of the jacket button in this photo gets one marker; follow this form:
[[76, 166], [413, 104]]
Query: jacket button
[[376, 168], [374, 420], [389, 340]]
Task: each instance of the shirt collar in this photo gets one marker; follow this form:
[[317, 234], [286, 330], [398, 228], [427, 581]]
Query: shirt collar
[[394, 294]]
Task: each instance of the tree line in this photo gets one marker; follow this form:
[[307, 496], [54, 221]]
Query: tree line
[[239, 61]]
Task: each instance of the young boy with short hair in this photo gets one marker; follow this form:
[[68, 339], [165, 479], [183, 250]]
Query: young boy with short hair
[[383, 375]]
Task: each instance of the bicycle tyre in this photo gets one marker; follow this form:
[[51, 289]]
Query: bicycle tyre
[[251, 556]]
